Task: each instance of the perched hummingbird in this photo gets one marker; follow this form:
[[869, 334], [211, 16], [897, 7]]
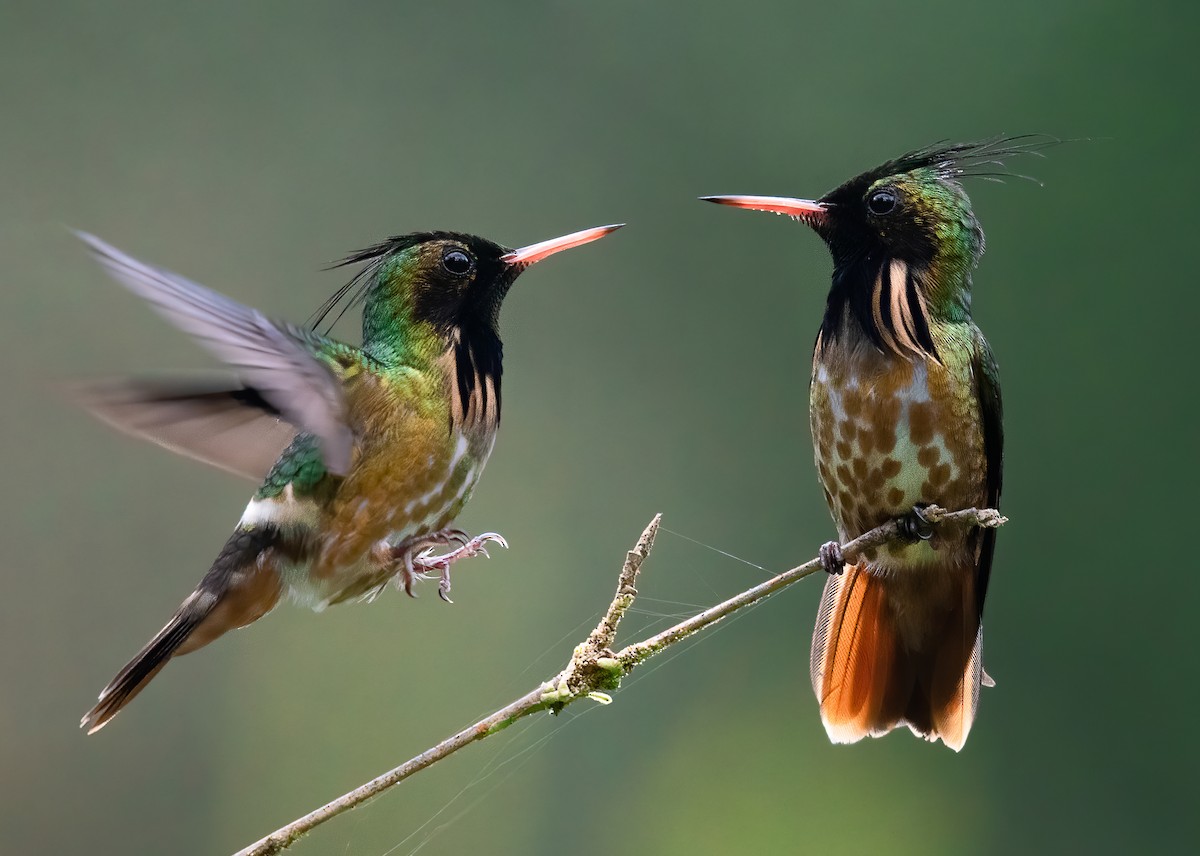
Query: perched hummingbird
[[904, 411], [365, 455]]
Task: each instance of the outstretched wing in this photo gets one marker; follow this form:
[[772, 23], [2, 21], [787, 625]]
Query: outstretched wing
[[281, 362], [987, 380], [222, 424]]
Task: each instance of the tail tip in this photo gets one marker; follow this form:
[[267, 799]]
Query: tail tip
[[95, 719]]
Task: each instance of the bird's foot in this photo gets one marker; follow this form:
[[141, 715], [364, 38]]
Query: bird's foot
[[426, 562], [832, 558], [915, 525], [406, 553]]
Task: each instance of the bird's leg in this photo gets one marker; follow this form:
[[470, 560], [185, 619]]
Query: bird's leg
[[416, 560], [427, 562], [405, 553], [832, 558], [915, 525]]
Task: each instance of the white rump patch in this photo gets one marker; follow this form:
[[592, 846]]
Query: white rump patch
[[282, 510]]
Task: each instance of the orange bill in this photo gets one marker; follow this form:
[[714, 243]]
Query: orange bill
[[526, 256], [803, 209]]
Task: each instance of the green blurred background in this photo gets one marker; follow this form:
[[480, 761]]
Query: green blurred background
[[248, 144]]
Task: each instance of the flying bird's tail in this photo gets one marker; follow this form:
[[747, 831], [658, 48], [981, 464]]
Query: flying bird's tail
[[879, 661], [238, 589]]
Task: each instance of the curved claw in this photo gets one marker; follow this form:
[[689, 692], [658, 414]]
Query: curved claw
[[408, 575], [494, 537]]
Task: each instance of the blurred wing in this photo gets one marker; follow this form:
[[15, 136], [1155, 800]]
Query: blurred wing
[[230, 427], [281, 362], [987, 378]]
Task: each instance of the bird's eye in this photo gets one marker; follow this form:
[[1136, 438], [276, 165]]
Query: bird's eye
[[881, 202], [457, 262]]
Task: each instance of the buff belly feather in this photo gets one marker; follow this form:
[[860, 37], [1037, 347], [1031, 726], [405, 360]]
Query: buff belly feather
[[885, 441], [340, 559]]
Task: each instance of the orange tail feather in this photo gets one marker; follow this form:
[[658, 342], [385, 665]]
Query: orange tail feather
[[873, 672]]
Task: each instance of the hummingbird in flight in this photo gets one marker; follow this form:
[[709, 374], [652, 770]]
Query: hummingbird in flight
[[905, 411], [364, 455]]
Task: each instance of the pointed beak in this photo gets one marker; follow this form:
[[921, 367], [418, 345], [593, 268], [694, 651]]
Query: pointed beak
[[526, 256], [806, 210]]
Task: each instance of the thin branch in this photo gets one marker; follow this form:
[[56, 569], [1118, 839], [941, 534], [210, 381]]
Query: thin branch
[[633, 655], [595, 668], [545, 697]]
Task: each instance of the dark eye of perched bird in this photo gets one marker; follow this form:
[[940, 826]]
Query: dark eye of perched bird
[[881, 202], [457, 262]]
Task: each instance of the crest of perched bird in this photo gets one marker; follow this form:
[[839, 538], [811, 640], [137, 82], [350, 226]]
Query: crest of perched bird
[[364, 455], [905, 412]]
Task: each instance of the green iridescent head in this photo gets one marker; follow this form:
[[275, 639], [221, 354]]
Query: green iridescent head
[[426, 290], [913, 209], [441, 280]]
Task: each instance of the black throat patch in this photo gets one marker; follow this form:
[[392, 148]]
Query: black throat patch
[[883, 296]]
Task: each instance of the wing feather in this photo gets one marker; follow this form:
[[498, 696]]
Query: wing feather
[[282, 362], [987, 379], [226, 426]]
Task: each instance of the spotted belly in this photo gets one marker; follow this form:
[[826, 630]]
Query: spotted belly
[[343, 539], [890, 435]]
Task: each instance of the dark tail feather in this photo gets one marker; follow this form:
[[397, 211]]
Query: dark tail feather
[[869, 679], [141, 669], [242, 586]]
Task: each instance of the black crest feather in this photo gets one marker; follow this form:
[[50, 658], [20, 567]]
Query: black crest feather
[[981, 158], [370, 258]]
